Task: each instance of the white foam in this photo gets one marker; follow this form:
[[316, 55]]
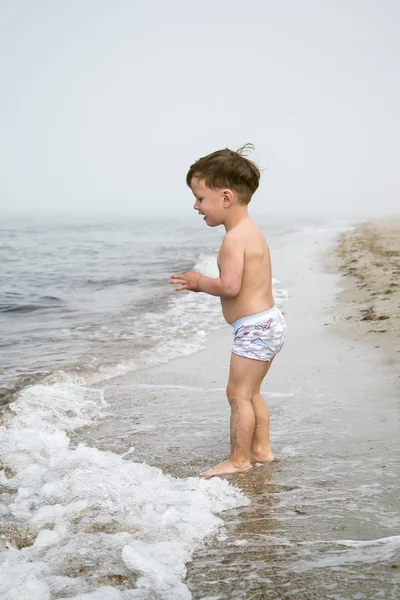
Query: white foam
[[94, 515], [207, 265]]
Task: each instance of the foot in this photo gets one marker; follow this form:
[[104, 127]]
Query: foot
[[226, 468], [262, 457]]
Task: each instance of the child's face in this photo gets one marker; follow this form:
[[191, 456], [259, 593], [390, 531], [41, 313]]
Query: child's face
[[209, 203]]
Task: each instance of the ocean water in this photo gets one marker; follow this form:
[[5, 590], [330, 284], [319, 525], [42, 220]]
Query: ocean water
[[86, 309], [82, 302], [88, 300], [85, 301]]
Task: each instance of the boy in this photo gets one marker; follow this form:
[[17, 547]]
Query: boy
[[223, 183]]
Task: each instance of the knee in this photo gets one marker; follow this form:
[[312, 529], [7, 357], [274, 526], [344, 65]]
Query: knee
[[237, 395], [230, 391]]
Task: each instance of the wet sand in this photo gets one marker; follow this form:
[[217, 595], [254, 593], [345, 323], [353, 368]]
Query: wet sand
[[369, 306], [324, 519]]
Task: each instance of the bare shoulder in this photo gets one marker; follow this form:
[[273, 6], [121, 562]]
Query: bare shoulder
[[243, 236], [230, 236], [233, 241], [247, 232]]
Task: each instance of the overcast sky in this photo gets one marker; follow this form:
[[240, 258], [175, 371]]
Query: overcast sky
[[105, 104]]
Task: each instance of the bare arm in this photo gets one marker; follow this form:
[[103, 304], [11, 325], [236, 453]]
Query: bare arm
[[231, 271]]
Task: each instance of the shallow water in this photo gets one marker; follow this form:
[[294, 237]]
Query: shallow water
[[87, 514], [83, 302], [324, 520]]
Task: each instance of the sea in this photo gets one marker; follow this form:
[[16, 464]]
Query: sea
[[84, 301]]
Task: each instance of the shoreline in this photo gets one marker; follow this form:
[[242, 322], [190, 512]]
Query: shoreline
[[325, 511], [368, 307], [334, 480]]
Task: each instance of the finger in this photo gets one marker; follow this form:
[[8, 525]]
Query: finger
[[176, 281], [181, 287]]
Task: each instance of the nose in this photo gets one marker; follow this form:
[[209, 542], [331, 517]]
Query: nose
[[195, 206]]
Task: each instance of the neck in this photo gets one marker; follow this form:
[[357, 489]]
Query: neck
[[235, 216]]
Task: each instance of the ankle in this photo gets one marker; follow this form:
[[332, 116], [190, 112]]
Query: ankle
[[261, 448], [263, 452], [240, 462]]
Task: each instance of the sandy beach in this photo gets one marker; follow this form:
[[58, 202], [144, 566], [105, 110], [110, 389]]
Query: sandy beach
[[324, 519], [369, 306]]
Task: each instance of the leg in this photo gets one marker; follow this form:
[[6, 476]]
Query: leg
[[245, 379], [260, 445]]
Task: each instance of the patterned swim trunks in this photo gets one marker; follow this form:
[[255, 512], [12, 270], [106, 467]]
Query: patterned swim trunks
[[259, 336]]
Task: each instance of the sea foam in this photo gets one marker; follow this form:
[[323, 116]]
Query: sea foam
[[96, 524]]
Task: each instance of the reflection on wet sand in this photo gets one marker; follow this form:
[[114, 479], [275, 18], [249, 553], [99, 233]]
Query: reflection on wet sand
[[258, 556]]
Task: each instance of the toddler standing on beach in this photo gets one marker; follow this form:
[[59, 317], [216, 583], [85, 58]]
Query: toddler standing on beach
[[223, 184]]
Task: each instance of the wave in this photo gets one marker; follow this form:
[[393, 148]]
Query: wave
[[82, 521], [153, 335], [21, 305], [109, 282]]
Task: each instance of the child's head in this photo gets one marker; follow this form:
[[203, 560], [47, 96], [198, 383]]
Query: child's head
[[227, 169]]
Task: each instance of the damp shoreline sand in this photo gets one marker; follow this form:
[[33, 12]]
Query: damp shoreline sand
[[368, 308]]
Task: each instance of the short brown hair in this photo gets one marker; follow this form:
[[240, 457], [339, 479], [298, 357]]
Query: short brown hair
[[228, 169]]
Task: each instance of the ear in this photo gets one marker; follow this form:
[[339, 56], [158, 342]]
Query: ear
[[227, 196]]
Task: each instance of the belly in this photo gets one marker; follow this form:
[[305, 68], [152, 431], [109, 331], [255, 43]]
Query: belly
[[245, 306]]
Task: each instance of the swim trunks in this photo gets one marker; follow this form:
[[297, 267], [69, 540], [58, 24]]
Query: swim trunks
[[260, 336]]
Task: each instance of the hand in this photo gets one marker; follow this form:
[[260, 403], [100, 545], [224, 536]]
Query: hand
[[187, 281]]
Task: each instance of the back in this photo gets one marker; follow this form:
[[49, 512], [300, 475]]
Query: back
[[255, 294]]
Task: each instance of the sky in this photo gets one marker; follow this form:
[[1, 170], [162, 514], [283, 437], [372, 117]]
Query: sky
[[105, 105]]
